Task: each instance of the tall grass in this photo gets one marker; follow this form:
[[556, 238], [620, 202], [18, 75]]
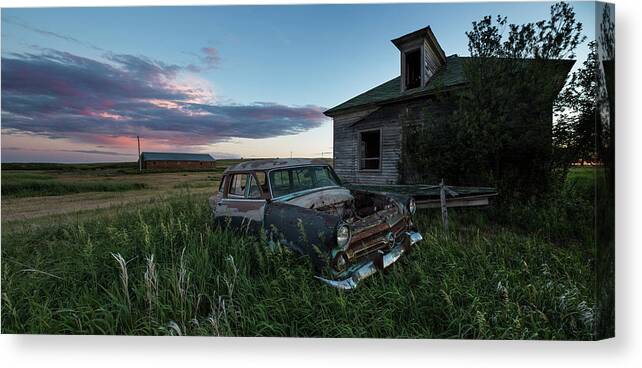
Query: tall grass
[[564, 217], [162, 270]]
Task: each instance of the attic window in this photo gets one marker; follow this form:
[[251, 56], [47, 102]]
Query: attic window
[[370, 150], [413, 69]]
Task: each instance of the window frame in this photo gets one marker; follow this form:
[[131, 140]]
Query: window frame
[[254, 179], [249, 176], [231, 195], [361, 159], [221, 185], [419, 51]]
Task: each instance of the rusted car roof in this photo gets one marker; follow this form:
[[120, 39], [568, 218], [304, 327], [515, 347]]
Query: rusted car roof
[[269, 164]]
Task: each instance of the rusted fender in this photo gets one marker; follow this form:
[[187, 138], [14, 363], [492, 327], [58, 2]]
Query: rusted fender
[[304, 230]]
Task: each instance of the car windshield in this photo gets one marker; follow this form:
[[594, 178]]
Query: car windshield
[[298, 179]]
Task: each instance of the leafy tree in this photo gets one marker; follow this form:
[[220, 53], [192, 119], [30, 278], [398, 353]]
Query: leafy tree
[[576, 110]]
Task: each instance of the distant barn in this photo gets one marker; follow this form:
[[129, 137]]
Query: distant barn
[[169, 160]]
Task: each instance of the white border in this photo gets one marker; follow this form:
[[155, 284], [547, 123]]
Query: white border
[[624, 350]]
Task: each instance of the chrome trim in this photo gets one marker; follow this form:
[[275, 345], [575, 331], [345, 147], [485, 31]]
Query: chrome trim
[[369, 268], [241, 200]]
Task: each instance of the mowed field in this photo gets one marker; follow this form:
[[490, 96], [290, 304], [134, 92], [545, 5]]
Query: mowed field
[[31, 191], [143, 259]]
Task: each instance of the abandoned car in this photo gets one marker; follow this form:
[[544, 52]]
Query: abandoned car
[[300, 203]]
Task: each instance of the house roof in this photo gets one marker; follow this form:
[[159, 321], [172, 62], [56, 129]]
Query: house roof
[[425, 34], [448, 76], [269, 164], [173, 156]]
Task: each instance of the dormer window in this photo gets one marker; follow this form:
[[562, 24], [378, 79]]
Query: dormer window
[[421, 56], [413, 69]]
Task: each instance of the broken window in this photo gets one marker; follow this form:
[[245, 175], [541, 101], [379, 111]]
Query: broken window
[[254, 192], [237, 188], [413, 69], [370, 150]]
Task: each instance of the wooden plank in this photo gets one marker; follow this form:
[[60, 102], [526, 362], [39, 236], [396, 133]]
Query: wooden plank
[[423, 191], [455, 202], [429, 196], [442, 202]]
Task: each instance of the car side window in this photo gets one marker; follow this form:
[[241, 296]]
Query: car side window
[[280, 181], [262, 180], [237, 188], [255, 191]]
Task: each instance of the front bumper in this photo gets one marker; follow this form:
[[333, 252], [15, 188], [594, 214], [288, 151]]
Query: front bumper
[[371, 267]]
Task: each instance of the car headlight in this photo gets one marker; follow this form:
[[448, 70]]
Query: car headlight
[[343, 236], [412, 206]]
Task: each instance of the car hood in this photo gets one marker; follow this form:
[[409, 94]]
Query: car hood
[[320, 197]]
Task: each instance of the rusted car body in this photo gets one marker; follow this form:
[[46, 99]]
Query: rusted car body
[[348, 234]]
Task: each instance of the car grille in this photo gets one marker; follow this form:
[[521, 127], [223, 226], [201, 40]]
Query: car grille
[[377, 237]]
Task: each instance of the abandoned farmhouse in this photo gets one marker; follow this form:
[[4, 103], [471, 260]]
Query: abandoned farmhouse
[[169, 160], [370, 129]]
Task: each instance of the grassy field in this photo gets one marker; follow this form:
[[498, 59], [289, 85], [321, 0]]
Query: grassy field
[[31, 191], [16, 184], [156, 266]]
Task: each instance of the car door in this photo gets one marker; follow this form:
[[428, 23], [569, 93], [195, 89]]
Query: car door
[[243, 203]]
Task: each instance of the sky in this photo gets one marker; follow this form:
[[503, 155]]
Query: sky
[[79, 84]]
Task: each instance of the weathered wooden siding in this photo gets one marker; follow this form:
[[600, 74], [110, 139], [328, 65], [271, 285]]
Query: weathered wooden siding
[[346, 145], [431, 62], [393, 120], [397, 121]]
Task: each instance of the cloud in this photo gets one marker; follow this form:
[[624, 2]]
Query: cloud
[[44, 32], [100, 152], [208, 58], [91, 152], [61, 95]]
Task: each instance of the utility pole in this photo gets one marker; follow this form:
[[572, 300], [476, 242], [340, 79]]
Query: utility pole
[[140, 159]]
